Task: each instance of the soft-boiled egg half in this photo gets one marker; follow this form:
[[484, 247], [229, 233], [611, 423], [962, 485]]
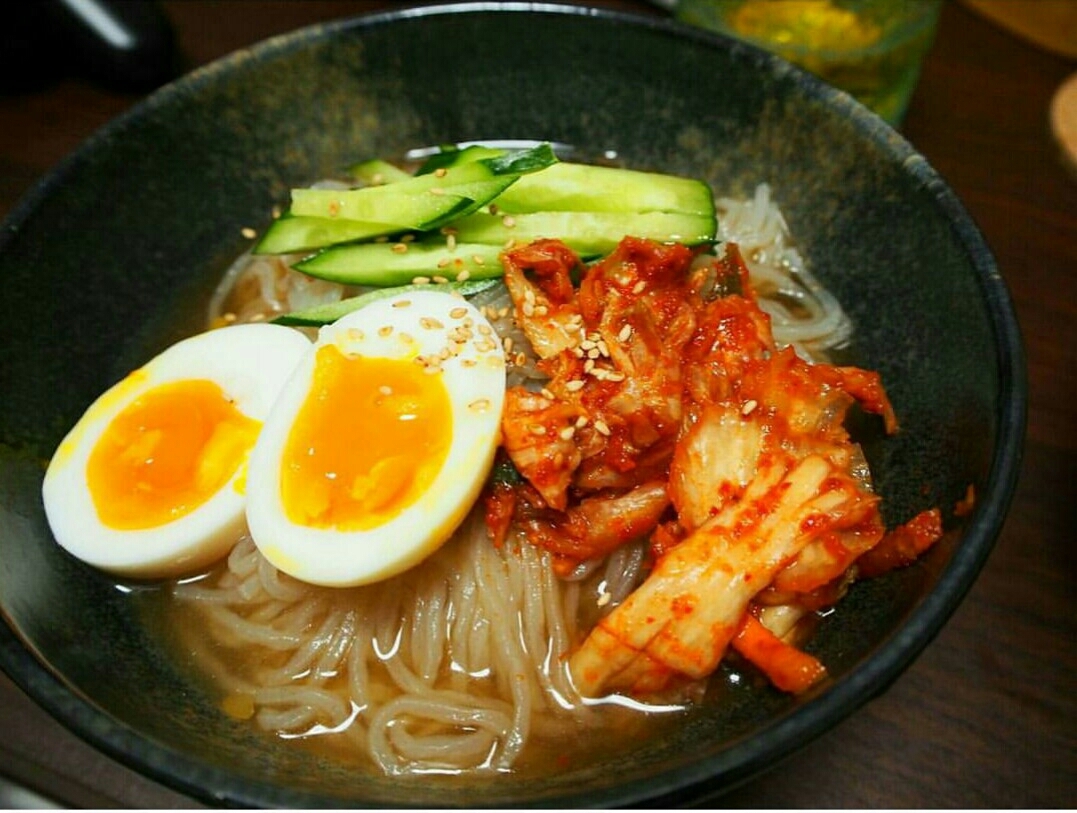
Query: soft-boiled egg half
[[149, 483], [379, 444]]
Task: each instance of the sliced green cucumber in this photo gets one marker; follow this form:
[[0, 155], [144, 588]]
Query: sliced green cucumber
[[376, 172], [451, 156], [380, 264], [387, 203], [403, 210], [293, 233], [588, 233], [588, 188], [326, 314]]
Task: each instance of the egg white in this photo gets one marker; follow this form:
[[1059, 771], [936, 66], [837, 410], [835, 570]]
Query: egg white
[[396, 328], [250, 363]]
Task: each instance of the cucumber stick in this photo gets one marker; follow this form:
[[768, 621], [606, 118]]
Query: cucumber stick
[[375, 172], [294, 233], [401, 263], [587, 188], [451, 156], [588, 233], [478, 181]]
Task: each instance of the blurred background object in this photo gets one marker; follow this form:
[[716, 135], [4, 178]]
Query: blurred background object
[[127, 45], [1050, 24], [1064, 122], [869, 48]]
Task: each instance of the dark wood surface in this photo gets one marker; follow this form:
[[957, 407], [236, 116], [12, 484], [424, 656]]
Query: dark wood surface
[[987, 716]]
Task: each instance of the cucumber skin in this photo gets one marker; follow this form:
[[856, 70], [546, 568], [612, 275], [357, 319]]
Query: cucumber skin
[[382, 264], [326, 314]]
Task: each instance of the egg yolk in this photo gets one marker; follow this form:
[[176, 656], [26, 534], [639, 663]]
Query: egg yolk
[[371, 436], [167, 453]]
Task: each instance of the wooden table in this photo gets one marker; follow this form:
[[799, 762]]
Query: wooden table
[[987, 716]]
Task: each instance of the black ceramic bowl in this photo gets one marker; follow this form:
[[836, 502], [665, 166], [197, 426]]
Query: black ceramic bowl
[[110, 258]]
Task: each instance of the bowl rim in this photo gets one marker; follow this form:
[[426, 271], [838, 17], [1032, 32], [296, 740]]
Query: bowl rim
[[741, 760]]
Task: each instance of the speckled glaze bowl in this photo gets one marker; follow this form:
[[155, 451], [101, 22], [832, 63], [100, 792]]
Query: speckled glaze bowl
[[112, 256]]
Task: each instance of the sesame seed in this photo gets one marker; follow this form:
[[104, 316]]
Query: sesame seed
[[594, 353], [407, 238], [468, 362], [479, 405], [520, 359], [463, 275], [258, 317], [478, 259], [503, 312], [536, 429], [604, 599], [420, 281], [541, 310], [603, 348], [581, 422], [485, 345], [639, 287], [439, 280], [572, 327], [406, 338], [401, 303], [567, 433], [587, 344], [444, 261], [399, 248], [248, 232], [589, 365], [575, 385], [508, 343], [441, 172], [547, 394], [508, 221], [385, 330], [602, 428], [228, 317], [385, 389], [528, 309], [615, 376], [450, 241], [749, 407], [458, 313], [430, 323], [625, 334]]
